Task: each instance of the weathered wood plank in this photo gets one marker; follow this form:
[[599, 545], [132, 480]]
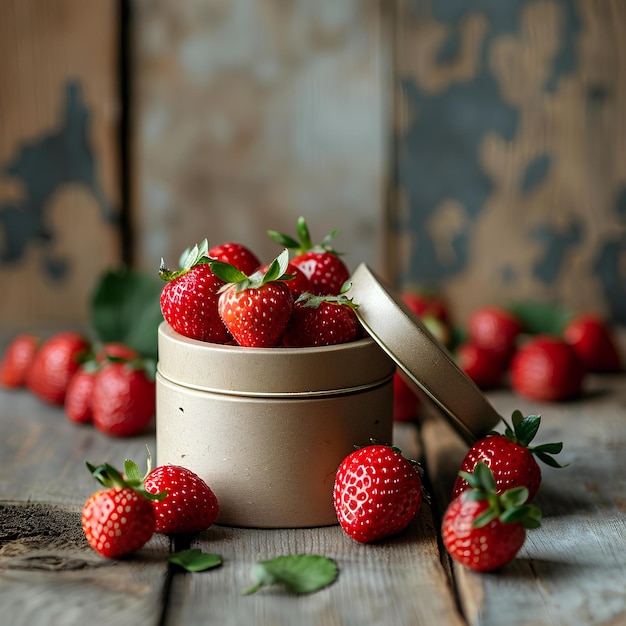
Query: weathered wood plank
[[250, 115], [572, 569], [59, 156]]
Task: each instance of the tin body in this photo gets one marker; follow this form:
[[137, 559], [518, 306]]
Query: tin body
[[267, 428]]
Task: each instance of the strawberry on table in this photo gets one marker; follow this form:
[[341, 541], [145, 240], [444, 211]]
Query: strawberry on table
[[190, 506], [78, 399], [592, 340], [485, 367], [236, 254], [255, 309], [495, 329], [54, 364], [483, 530], [377, 493], [510, 457], [546, 368], [189, 299], [124, 398], [320, 263], [322, 321], [16, 360], [118, 519]]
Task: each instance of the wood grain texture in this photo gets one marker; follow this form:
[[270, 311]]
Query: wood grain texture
[[59, 178], [250, 115], [511, 128]]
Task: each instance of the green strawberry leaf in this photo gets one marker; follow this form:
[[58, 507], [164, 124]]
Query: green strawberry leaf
[[195, 560], [526, 429], [298, 573], [125, 307], [540, 317]]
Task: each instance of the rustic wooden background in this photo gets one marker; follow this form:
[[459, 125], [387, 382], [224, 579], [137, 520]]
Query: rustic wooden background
[[476, 147]]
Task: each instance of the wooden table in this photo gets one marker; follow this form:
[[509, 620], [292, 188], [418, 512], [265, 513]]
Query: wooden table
[[571, 571]]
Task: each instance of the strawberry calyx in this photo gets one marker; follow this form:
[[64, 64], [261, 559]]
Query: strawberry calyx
[[509, 507], [304, 243], [188, 259], [110, 478], [276, 271], [523, 432], [313, 301]]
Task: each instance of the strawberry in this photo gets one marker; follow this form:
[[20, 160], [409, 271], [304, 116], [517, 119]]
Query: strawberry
[[320, 263], [482, 530], [494, 328], [299, 284], [54, 364], [119, 519], [255, 309], [189, 299], [235, 254], [510, 457], [406, 403], [546, 368], [593, 342], [16, 360], [485, 367], [80, 389], [190, 506], [322, 321], [426, 304], [123, 398], [377, 493]]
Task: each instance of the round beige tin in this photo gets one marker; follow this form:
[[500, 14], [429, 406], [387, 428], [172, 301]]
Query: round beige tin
[[267, 428]]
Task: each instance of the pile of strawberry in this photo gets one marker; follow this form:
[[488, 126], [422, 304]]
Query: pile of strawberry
[[225, 295], [545, 366], [378, 492], [108, 385], [122, 517], [541, 352]]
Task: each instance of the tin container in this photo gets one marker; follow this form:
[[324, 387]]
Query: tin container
[[268, 428]]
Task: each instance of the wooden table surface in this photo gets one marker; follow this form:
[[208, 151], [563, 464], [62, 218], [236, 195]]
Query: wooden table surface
[[572, 570]]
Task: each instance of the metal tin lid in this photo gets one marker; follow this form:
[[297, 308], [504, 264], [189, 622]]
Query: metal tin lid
[[402, 335]]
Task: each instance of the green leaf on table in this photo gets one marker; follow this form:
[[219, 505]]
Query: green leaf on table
[[298, 573], [125, 308], [539, 318], [195, 560]]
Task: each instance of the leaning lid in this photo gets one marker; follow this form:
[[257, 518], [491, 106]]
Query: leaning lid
[[402, 335]]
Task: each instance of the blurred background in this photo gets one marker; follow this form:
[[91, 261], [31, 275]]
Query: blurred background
[[478, 148]]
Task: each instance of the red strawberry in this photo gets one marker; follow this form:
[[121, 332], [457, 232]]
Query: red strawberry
[[119, 519], [510, 457], [236, 254], [189, 299], [494, 328], [426, 304], [546, 368], [322, 321], [123, 399], [80, 389], [190, 506], [406, 403], [321, 264], [16, 360], [484, 531], [485, 367], [256, 308], [594, 343], [377, 493], [54, 364], [299, 284]]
